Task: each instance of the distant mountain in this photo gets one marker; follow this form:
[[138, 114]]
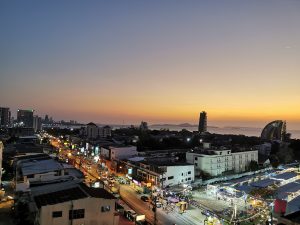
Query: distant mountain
[[178, 125], [240, 128]]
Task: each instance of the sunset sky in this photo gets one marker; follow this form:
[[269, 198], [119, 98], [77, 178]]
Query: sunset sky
[[158, 61]]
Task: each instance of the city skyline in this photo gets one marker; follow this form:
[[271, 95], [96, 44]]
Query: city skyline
[[157, 62]]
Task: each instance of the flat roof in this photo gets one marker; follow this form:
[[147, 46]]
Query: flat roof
[[39, 166], [165, 163], [97, 192], [67, 191], [59, 197]]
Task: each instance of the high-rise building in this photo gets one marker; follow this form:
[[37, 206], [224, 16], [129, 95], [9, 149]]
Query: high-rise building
[[1, 151], [202, 122], [25, 117], [37, 123], [4, 117], [276, 130], [46, 120]]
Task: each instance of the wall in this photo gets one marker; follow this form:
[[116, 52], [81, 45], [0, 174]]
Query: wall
[[216, 165], [93, 214], [123, 152], [180, 175]]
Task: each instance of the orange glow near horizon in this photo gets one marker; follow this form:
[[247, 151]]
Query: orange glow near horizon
[[161, 62]]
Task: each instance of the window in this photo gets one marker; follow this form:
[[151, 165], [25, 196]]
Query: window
[[170, 178], [76, 214], [105, 208], [57, 214], [196, 158], [189, 178], [181, 174], [189, 172]]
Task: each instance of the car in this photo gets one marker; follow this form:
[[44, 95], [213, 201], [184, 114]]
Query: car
[[206, 213], [157, 203], [145, 198], [130, 214]]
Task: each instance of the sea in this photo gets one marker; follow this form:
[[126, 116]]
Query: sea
[[247, 131]]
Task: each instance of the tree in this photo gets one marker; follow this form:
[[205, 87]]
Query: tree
[[295, 145], [274, 161], [253, 165]]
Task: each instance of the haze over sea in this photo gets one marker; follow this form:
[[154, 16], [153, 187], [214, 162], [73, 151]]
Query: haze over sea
[[248, 131]]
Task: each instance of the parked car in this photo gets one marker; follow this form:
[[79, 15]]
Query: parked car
[[130, 214], [145, 198]]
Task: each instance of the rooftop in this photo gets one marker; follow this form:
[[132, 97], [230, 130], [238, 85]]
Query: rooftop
[[97, 192], [66, 191], [59, 196], [39, 166], [165, 163], [285, 176]]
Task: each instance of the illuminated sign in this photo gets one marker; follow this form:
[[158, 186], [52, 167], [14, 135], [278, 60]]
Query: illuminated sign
[[97, 150]]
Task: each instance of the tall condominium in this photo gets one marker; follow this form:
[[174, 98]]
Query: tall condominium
[[202, 122], [37, 123], [25, 117], [1, 152], [4, 117]]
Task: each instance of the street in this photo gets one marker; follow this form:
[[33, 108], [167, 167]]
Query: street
[[192, 216]]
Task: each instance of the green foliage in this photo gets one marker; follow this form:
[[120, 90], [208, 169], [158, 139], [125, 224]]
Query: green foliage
[[274, 161], [253, 166], [57, 131], [295, 146]]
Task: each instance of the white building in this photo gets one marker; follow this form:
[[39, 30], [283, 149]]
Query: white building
[[160, 173], [76, 204], [1, 153], [37, 123], [216, 162], [118, 152], [93, 131], [40, 169]]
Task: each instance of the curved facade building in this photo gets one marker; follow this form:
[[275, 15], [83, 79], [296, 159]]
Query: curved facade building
[[275, 130]]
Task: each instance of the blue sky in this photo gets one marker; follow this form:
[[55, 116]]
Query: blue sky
[[159, 61]]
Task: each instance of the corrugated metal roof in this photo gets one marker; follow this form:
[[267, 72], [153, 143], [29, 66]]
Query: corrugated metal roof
[[40, 166]]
